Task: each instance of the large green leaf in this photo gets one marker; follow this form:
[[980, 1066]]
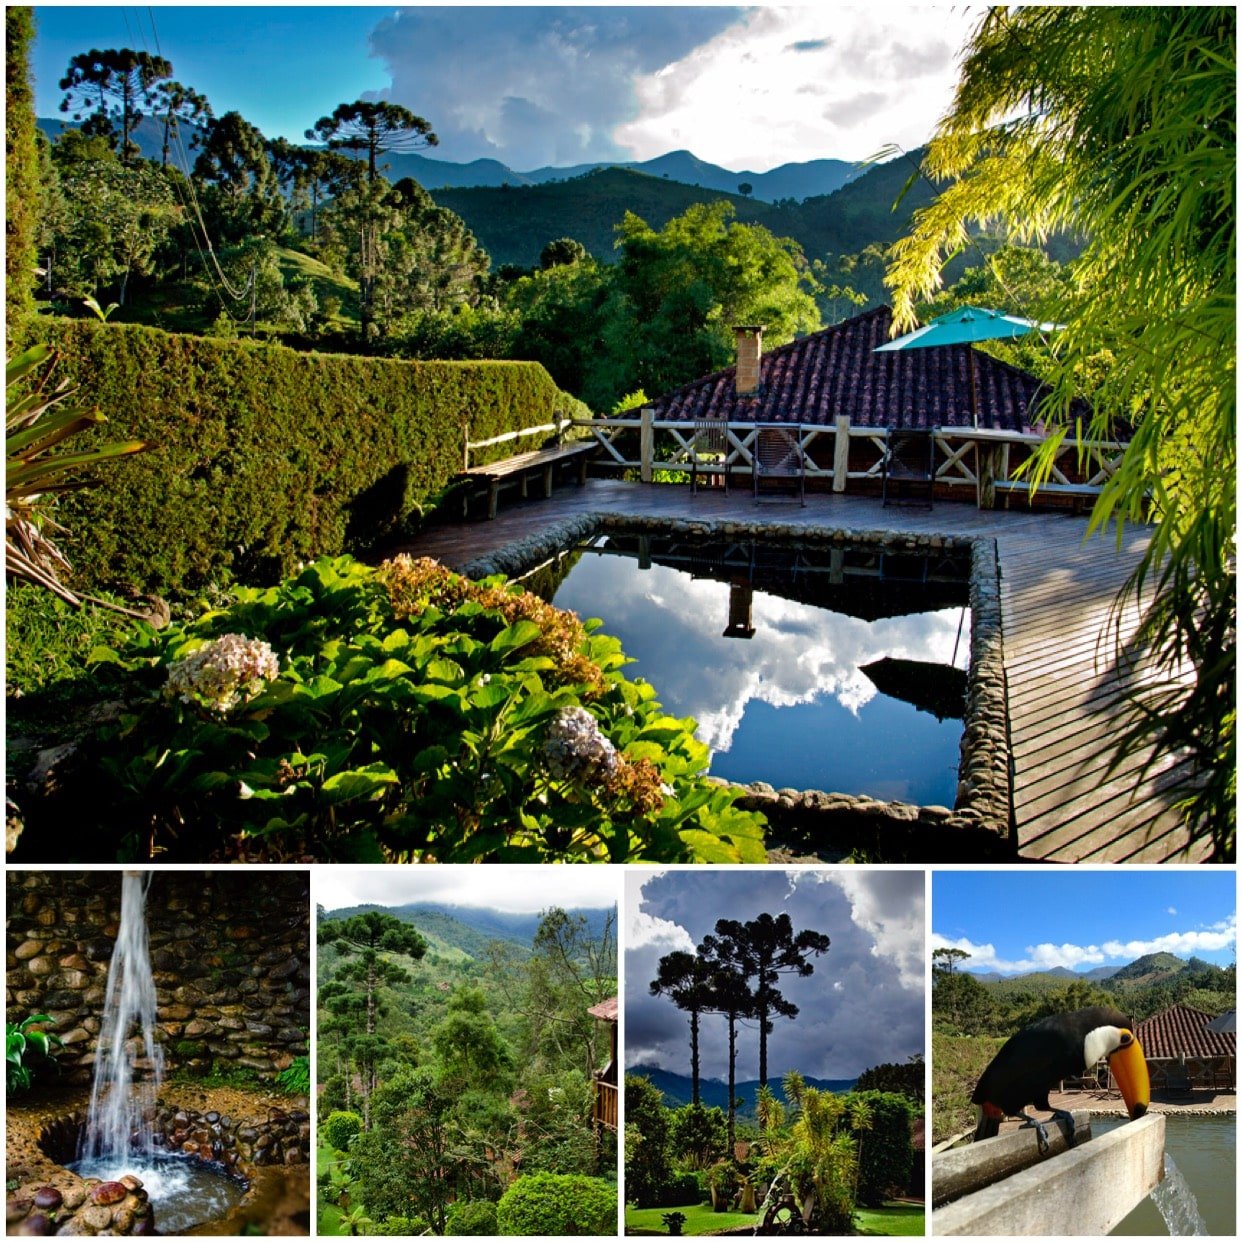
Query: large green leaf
[[358, 783]]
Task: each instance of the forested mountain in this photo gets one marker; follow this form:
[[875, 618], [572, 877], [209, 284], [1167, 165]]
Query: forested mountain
[[471, 928], [794, 181], [513, 223], [713, 1093]]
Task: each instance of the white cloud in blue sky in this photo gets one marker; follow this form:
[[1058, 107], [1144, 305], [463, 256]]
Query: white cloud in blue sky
[[983, 956], [748, 88]]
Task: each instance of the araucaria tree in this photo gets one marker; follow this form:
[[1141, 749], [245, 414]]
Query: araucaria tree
[[352, 993], [1118, 125], [767, 949], [112, 87], [728, 994], [683, 978], [373, 127]]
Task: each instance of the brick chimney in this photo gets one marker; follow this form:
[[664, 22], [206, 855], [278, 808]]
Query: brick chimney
[[749, 350]]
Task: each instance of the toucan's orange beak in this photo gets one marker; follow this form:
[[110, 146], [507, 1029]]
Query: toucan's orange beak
[[1129, 1068]]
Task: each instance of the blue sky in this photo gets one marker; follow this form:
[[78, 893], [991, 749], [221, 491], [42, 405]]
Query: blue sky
[[863, 1005], [1080, 919], [748, 88]]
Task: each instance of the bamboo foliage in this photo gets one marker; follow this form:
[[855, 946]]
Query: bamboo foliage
[[1118, 125]]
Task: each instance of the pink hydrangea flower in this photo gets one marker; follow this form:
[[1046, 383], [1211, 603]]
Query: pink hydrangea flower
[[577, 751], [223, 673]]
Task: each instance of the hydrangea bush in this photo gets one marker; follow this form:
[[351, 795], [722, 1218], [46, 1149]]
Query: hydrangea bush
[[402, 713]]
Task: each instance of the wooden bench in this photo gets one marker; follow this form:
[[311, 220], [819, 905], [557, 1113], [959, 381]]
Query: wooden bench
[[518, 471], [1080, 493]]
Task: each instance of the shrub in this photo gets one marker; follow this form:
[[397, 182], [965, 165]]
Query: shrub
[[555, 1204], [267, 456], [471, 1217], [340, 1129], [886, 1158], [25, 1042], [398, 1227], [681, 1189], [414, 716]]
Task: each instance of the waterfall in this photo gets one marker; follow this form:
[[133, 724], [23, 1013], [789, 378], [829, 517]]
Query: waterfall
[[1177, 1204], [118, 1128]]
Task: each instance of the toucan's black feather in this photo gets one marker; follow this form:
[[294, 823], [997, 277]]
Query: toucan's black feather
[[1034, 1060]]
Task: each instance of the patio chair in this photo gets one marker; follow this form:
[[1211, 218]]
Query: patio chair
[[778, 459], [909, 466], [709, 451]]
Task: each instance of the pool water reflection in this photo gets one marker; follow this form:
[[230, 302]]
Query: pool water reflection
[[777, 683]]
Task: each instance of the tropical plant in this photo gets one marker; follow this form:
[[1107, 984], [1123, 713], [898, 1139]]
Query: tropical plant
[[34, 426], [1118, 125], [20, 1040], [295, 1077], [673, 1222]]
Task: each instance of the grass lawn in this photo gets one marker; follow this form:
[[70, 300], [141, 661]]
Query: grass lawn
[[329, 1215], [699, 1220], [891, 1220]]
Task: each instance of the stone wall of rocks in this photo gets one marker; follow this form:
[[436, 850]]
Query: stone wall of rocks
[[229, 951], [827, 825]]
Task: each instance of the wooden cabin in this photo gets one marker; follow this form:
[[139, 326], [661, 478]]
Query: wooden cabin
[[605, 1111]]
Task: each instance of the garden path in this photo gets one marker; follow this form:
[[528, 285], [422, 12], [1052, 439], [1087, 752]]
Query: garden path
[[1066, 688]]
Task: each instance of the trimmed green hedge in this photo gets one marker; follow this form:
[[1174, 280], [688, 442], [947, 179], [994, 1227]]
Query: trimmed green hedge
[[265, 456]]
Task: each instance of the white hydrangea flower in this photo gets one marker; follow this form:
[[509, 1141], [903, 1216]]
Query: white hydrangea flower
[[577, 751], [223, 673]]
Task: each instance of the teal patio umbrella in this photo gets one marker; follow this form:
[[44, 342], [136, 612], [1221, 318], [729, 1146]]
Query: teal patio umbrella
[[964, 326]]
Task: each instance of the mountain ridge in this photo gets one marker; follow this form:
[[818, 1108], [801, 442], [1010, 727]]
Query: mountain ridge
[[797, 180]]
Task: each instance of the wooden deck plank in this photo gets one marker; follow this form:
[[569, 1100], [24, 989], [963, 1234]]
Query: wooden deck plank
[[1065, 689]]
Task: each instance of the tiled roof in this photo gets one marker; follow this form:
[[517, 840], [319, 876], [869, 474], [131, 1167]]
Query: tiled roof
[[834, 373], [1182, 1031], [606, 1011]]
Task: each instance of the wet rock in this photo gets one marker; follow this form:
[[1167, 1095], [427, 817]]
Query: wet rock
[[37, 1225], [108, 1193], [48, 1198], [97, 1217], [130, 1182], [17, 1209]]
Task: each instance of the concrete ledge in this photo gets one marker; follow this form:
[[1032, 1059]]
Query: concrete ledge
[[1086, 1191]]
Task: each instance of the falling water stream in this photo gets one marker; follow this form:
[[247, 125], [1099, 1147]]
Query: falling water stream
[[1176, 1204], [118, 1126], [119, 1137]]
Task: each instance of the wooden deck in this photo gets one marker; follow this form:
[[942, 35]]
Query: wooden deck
[[1065, 688]]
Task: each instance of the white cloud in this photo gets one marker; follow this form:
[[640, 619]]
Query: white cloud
[[798, 651], [498, 887], [1171, 910], [888, 906], [1222, 935], [787, 84], [647, 931]]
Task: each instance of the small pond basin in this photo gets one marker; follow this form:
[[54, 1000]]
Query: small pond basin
[[183, 1192], [806, 665]]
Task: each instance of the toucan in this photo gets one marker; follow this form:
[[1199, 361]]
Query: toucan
[[1063, 1045]]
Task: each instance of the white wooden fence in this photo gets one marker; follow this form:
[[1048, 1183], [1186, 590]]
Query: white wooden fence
[[985, 461]]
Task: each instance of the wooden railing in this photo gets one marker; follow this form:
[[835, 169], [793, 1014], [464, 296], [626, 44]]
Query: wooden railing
[[986, 462], [605, 1111], [557, 428]]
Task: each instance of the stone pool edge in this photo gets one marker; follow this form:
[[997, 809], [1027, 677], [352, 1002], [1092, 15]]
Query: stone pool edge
[[979, 824]]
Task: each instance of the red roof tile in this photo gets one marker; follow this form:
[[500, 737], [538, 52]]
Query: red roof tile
[[1182, 1031], [606, 1010], [835, 373]]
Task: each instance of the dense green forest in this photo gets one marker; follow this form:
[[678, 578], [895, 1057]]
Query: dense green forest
[[458, 1073], [617, 281], [971, 1019]]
